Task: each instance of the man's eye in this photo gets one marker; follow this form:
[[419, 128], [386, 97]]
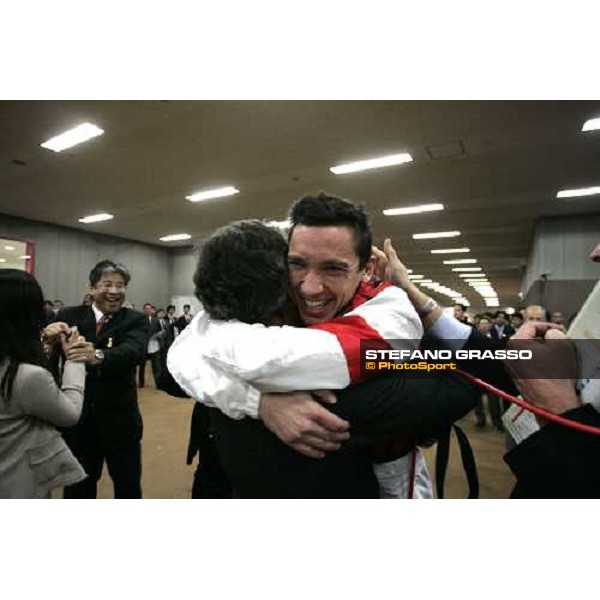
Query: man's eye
[[335, 270], [295, 265]]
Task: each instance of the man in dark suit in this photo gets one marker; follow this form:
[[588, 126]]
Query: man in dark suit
[[501, 330], [110, 427], [155, 338], [186, 318]]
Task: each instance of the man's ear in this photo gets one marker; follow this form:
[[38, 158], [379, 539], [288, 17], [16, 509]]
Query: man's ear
[[369, 270]]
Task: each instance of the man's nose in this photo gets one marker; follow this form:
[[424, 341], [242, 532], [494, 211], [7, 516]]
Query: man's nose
[[595, 255], [312, 284]]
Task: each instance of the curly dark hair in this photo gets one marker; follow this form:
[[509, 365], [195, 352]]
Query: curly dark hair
[[323, 210], [21, 319], [242, 272]]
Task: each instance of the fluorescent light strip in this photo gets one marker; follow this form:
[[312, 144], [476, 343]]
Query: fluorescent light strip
[[472, 275], [214, 193], [372, 163], [72, 137], [96, 218], [438, 234], [591, 191], [2, 260], [416, 276], [591, 125], [285, 224], [412, 210], [24, 257], [176, 237], [451, 251], [456, 269], [425, 281], [461, 261], [9, 247]]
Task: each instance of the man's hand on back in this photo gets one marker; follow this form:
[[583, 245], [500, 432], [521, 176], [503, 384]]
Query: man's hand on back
[[299, 421]]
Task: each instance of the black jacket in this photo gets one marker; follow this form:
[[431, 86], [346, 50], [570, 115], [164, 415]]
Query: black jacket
[[110, 388], [557, 461]]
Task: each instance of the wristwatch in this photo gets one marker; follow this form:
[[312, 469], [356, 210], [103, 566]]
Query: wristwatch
[[99, 355], [429, 306]]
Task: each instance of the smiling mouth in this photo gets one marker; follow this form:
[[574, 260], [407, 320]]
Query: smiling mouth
[[315, 305]]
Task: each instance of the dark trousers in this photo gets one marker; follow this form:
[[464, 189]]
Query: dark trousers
[[495, 407], [124, 466], [156, 367], [210, 479]]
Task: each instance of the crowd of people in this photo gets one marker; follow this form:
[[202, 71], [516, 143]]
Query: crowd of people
[[273, 359]]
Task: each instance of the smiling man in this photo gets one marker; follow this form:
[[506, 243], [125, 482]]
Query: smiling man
[[110, 427]]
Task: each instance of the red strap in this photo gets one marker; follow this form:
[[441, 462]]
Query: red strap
[[536, 410]]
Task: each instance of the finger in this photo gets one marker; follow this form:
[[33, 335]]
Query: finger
[[80, 343], [313, 428], [326, 396], [389, 250], [331, 423], [555, 334], [534, 329], [316, 443], [378, 253], [308, 451]]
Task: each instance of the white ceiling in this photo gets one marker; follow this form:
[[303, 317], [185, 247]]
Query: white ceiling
[[512, 159]]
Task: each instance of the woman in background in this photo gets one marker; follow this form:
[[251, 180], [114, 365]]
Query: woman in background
[[34, 459]]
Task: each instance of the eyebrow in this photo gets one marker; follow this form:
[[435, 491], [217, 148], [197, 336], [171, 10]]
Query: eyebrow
[[326, 263]]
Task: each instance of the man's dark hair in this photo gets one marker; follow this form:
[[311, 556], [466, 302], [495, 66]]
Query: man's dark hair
[[324, 211], [462, 306], [108, 266], [518, 315], [242, 272], [186, 306], [21, 319], [500, 312], [49, 303], [171, 306]]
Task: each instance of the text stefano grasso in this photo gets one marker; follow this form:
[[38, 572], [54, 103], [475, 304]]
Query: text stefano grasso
[[498, 354]]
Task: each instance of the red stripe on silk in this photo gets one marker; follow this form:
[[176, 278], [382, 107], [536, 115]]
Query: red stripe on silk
[[349, 332]]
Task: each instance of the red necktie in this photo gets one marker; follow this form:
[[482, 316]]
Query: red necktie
[[100, 324]]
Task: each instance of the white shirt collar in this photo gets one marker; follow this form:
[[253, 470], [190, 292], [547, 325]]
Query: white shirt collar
[[99, 314]]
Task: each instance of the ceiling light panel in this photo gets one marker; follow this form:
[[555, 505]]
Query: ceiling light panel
[[437, 234], [222, 192], [412, 210], [591, 125], [72, 137], [96, 218], [577, 193], [456, 269], [451, 251], [176, 237], [461, 261], [372, 163]]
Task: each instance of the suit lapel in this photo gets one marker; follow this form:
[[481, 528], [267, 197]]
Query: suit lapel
[[87, 324]]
